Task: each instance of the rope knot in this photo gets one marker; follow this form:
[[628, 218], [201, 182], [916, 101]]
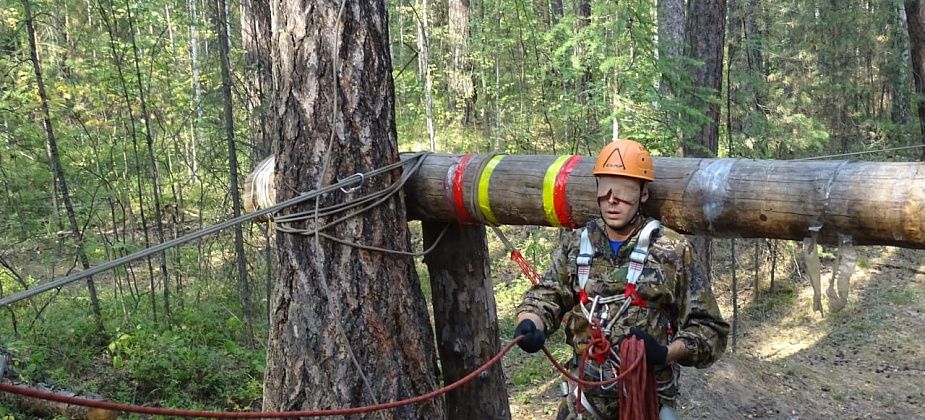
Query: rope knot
[[598, 345]]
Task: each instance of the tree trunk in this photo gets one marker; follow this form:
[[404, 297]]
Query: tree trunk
[[152, 163], [255, 37], [466, 319], [915, 19], [899, 79], [349, 326], [588, 123], [424, 71], [461, 98], [706, 26], [56, 168], [670, 37], [195, 131], [244, 288]]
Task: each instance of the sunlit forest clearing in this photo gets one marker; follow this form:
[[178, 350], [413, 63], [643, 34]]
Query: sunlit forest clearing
[[129, 124]]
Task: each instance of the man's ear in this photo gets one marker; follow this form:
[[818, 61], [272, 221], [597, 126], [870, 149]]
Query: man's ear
[[644, 195]]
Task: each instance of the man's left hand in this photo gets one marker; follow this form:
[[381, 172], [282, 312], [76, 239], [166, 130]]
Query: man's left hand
[[656, 353]]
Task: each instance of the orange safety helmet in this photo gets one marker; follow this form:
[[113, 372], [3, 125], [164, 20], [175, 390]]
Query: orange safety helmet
[[625, 158]]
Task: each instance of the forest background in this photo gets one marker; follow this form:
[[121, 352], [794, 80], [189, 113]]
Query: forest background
[[128, 123]]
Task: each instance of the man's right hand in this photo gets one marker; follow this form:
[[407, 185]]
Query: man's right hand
[[534, 338]]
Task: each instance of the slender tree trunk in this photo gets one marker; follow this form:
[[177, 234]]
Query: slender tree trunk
[[466, 320], [110, 23], [915, 19], [347, 321], [461, 98], [244, 288], [899, 78], [195, 131], [152, 164], [56, 168], [255, 37], [671, 14], [588, 123], [424, 71]]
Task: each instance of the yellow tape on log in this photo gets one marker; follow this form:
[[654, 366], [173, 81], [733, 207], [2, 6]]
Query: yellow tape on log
[[549, 190], [484, 180]]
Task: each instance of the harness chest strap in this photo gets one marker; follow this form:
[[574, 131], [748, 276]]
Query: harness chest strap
[[634, 271]]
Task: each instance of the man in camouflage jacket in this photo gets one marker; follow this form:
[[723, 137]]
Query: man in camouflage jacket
[[680, 322]]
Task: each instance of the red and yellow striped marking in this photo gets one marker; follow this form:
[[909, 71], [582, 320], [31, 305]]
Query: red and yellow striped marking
[[555, 201], [484, 180]]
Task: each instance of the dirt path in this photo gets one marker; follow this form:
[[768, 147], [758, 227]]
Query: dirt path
[[868, 361]]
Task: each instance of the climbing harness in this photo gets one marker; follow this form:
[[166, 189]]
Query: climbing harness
[[599, 322]]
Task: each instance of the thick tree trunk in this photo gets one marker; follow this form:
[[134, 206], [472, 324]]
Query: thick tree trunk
[[244, 287], [56, 168], [706, 28], [915, 18], [465, 319], [461, 98], [706, 24], [349, 327]]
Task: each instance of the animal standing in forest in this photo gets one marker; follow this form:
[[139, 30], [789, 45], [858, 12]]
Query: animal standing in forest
[[624, 276]]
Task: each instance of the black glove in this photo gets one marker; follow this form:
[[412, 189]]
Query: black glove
[[656, 353], [533, 338]]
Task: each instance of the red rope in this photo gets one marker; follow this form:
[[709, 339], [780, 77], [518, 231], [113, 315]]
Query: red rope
[[525, 266], [114, 406], [639, 384], [639, 401]]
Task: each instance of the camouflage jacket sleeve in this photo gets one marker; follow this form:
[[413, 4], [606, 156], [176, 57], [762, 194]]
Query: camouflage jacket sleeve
[[554, 295], [701, 326]]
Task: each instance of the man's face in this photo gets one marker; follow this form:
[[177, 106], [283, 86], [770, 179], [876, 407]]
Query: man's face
[[619, 199]]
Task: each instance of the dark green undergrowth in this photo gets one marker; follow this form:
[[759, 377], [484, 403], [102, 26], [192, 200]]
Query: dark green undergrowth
[[199, 362]]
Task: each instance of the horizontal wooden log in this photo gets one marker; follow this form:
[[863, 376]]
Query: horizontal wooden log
[[874, 203]]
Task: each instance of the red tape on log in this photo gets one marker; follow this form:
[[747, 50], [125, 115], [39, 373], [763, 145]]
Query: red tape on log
[[562, 206], [456, 189]]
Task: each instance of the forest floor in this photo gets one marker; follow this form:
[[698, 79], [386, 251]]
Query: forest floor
[[866, 361]]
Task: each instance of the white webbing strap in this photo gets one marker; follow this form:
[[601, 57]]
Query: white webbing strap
[[585, 253], [641, 251]]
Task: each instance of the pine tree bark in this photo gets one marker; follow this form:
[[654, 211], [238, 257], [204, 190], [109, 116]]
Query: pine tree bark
[[915, 19], [670, 37], [706, 27], [706, 24], [56, 168], [466, 319], [461, 99], [349, 327], [244, 288]]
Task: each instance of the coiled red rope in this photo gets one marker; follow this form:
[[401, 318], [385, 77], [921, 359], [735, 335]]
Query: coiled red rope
[[639, 401]]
